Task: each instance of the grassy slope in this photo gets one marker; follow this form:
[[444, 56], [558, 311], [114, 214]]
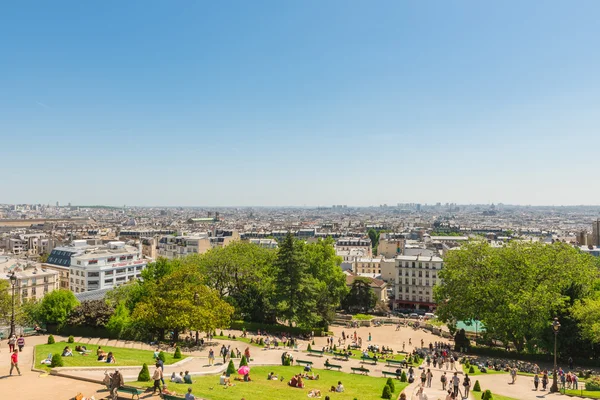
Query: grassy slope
[[357, 386], [123, 356]]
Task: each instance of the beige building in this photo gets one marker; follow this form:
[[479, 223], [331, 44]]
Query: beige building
[[181, 246], [390, 248], [367, 266], [415, 278], [33, 280], [378, 286]]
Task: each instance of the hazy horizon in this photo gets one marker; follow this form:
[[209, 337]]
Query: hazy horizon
[[307, 103]]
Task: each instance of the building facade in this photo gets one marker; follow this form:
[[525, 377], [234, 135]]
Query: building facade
[[33, 281], [415, 278]]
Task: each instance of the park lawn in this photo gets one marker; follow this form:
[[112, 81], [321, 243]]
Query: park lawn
[[478, 372], [585, 393], [123, 356], [356, 386], [500, 397], [362, 317]]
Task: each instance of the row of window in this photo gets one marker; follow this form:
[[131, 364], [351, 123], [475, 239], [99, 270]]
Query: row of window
[[33, 291], [370, 271], [413, 297], [406, 273], [407, 281], [413, 264]]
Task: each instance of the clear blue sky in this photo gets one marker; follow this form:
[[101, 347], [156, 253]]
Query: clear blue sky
[[299, 102]]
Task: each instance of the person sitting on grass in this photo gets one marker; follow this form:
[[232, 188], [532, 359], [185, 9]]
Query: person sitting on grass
[[101, 356], [294, 381], [67, 352], [332, 389], [340, 387], [176, 378], [315, 393], [224, 380], [82, 350], [169, 392], [272, 377], [247, 378], [156, 353], [187, 378], [110, 359]]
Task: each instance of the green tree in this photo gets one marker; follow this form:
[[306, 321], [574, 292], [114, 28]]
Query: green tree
[[231, 368], [94, 313], [374, 236], [387, 392], [56, 360], [56, 306], [293, 293], [144, 375], [390, 383], [361, 297], [177, 353], [518, 282], [477, 386], [243, 361], [120, 322]]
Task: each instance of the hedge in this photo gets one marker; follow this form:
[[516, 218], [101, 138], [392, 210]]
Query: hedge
[[255, 326]]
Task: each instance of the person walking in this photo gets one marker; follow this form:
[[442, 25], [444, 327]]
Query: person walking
[[544, 380], [116, 381], [157, 376], [21, 343], [444, 379], [466, 385], [536, 381], [369, 336], [14, 362], [211, 356], [455, 383], [12, 341], [429, 377]]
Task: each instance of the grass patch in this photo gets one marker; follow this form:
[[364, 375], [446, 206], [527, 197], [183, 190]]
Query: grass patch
[[124, 357], [500, 397], [356, 386], [583, 393], [362, 317]]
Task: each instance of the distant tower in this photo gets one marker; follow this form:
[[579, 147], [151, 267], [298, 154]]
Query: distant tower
[[596, 233], [57, 204]]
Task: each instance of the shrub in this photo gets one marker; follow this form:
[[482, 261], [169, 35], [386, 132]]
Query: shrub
[[390, 383], [580, 374], [334, 348], [309, 348], [476, 387], [177, 353], [286, 362], [243, 361], [487, 395], [403, 377], [162, 356], [221, 334], [387, 392], [57, 361], [262, 342], [593, 385], [144, 375], [71, 339], [231, 368], [313, 342], [51, 339], [409, 360], [471, 370]]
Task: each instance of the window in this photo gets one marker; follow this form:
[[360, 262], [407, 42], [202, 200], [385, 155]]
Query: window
[[93, 274], [122, 258], [121, 271], [426, 274], [420, 274], [33, 291], [130, 269], [45, 289], [93, 262], [24, 292], [108, 281], [130, 257], [413, 264], [111, 259], [427, 282], [78, 262], [109, 273]]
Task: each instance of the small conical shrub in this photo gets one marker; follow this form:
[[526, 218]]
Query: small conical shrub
[[471, 370], [387, 392], [221, 334], [390, 383], [261, 342], [57, 361], [162, 357], [334, 348], [71, 340], [51, 339], [309, 348], [144, 375], [409, 360], [243, 361], [177, 353], [231, 368], [476, 387], [487, 395], [403, 377]]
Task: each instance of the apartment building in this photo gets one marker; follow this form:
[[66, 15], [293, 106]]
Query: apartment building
[[33, 280], [181, 246], [28, 243], [351, 243], [367, 265], [391, 246], [264, 243], [415, 278], [93, 267]]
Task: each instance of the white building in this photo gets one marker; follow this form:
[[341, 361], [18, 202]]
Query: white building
[[264, 243], [33, 280], [350, 243], [181, 246], [97, 267], [414, 281]]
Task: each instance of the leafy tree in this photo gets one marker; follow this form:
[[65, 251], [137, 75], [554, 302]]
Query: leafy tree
[[44, 257], [94, 313], [374, 236], [71, 339], [144, 375], [361, 297], [5, 300], [506, 286], [56, 306], [293, 294], [120, 322]]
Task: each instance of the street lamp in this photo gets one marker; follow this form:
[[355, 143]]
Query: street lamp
[[555, 329], [13, 281], [196, 299]]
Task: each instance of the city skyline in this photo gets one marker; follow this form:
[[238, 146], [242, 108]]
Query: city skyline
[[313, 103]]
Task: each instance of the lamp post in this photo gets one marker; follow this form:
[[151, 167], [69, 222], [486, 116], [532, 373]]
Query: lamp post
[[196, 298], [555, 329], [13, 281]]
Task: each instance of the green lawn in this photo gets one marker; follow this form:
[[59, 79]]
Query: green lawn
[[362, 317], [584, 393], [500, 397], [122, 355], [356, 386]]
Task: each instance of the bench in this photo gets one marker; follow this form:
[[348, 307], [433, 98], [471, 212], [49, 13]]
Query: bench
[[329, 366], [373, 361], [390, 373], [395, 363], [133, 391], [316, 352], [304, 362], [360, 369], [341, 356], [171, 397]]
